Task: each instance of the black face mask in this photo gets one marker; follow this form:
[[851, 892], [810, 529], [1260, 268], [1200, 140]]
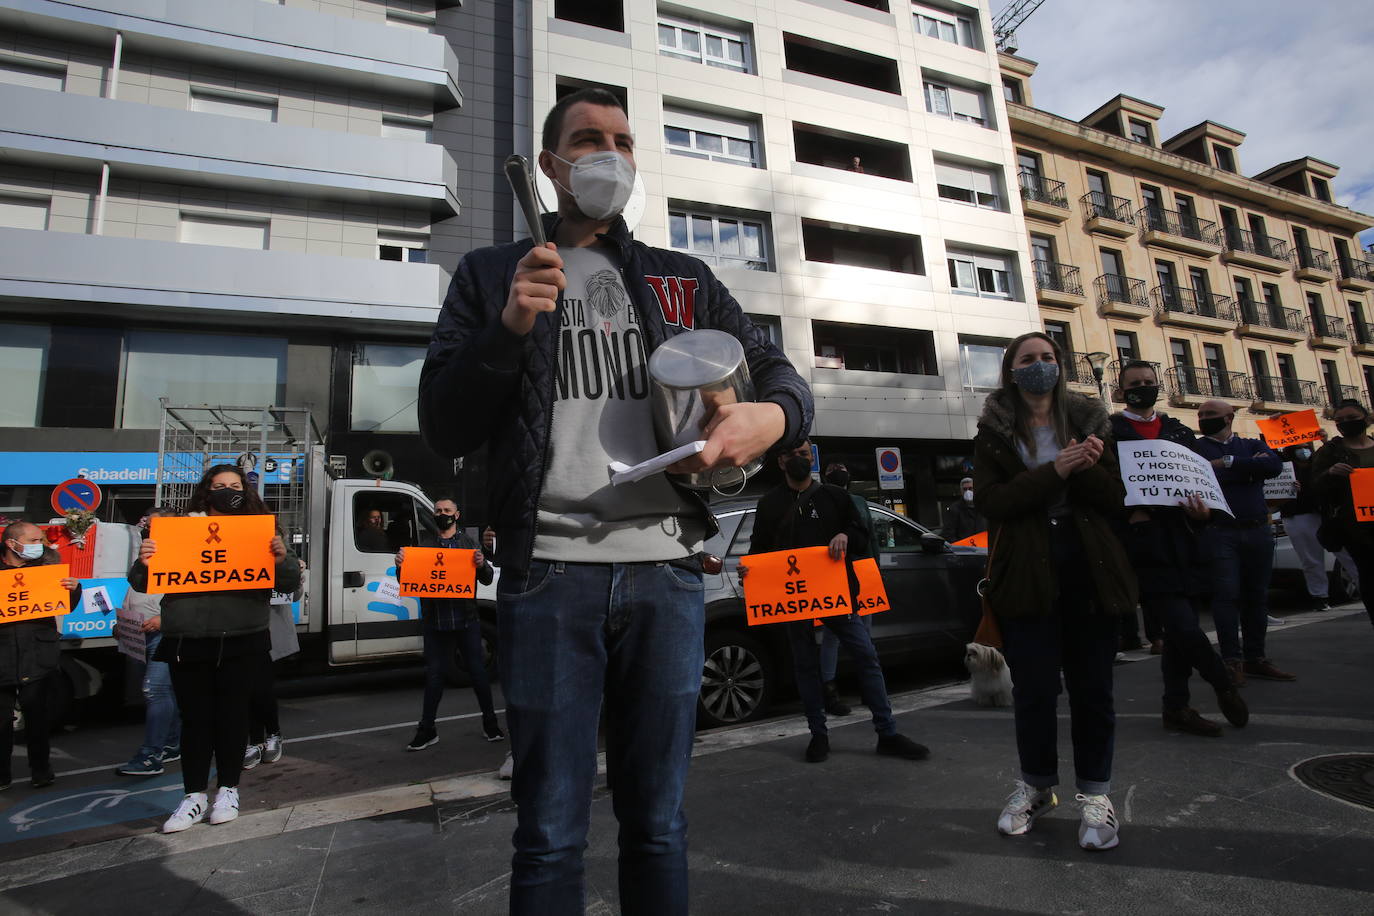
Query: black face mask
[[1352, 429], [230, 502], [1211, 426], [1141, 397], [838, 479], [443, 521], [797, 467]]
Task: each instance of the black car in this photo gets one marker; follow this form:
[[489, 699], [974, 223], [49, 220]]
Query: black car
[[935, 610]]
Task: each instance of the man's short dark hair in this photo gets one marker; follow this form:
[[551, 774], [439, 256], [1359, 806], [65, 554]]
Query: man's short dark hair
[[1130, 364], [553, 121], [444, 497]]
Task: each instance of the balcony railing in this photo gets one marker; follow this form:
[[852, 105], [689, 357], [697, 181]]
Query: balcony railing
[[1042, 190], [1187, 225], [1270, 316], [1116, 288], [1187, 301], [1095, 203], [1192, 381], [1061, 278], [1254, 243], [1364, 332], [1323, 325], [1077, 370], [1314, 259], [1337, 393], [1355, 269], [1286, 390]]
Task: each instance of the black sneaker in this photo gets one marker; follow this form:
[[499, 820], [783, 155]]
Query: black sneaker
[[424, 737], [43, 778], [492, 731], [901, 746], [818, 750]]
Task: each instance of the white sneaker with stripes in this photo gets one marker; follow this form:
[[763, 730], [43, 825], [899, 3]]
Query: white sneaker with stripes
[[1098, 829], [1024, 805]]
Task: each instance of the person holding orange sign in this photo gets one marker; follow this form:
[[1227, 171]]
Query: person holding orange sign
[[803, 513], [1332, 468], [216, 642], [28, 658]]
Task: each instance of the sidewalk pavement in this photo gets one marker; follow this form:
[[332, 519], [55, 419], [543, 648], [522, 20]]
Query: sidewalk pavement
[[1210, 826]]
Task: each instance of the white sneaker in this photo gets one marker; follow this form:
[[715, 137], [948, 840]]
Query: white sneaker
[[190, 811], [1023, 806], [507, 767], [226, 806], [252, 756], [1099, 827], [271, 749]]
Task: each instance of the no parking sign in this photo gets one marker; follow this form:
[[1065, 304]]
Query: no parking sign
[[890, 469], [76, 494]]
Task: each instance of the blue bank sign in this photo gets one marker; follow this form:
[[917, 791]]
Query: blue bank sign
[[37, 468]]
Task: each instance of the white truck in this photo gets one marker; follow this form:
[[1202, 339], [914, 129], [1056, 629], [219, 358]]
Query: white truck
[[349, 612]]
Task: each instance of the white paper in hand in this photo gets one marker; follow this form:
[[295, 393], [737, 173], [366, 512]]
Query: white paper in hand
[[624, 473]]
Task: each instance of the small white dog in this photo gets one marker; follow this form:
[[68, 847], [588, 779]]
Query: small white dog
[[989, 678]]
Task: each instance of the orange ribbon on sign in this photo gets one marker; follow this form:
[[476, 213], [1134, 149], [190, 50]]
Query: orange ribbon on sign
[[31, 592], [212, 554], [974, 540], [799, 584], [426, 574], [1290, 429], [1362, 493]]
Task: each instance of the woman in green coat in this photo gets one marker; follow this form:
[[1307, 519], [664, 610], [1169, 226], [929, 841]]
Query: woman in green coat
[[1046, 479]]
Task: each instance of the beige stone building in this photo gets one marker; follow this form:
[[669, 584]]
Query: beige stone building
[[1251, 289]]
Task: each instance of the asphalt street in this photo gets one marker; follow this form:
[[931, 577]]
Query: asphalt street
[[1209, 825]]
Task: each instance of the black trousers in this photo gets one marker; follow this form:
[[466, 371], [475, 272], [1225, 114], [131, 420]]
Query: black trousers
[[33, 700], [1362, 552], [262, 704], [213, 695]]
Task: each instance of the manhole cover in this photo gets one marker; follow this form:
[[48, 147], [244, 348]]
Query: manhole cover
[[1348, 777]]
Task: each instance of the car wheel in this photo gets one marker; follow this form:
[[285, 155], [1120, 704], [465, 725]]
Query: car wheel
[[737, 680]]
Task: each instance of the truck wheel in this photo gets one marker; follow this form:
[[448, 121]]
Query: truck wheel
[[737, 681]]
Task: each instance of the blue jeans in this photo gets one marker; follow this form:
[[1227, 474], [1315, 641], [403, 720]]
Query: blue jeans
[[572, 636], [440, 646], [851, 631], [1185, 647], [162, 719], [830, 649], [1243, 559]]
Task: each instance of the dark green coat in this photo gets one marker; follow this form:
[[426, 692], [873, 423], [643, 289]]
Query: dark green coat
[[1015, 501]]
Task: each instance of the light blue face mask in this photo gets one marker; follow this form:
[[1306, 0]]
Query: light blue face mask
[[31, 551], [1037, 378]]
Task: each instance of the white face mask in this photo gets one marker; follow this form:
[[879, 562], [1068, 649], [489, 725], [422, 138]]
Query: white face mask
[[968, 496], [30, 551], [601, 183]]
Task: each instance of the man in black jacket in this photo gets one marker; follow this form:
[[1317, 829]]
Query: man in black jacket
[[961, 519], [451, 625], [540, 354], [28, 658], [1173, 567], [803, 513]]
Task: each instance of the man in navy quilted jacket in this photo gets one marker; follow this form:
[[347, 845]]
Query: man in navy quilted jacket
[[541, 354]]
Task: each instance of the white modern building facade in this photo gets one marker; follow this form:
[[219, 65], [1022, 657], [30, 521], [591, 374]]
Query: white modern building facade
[[892, 289]]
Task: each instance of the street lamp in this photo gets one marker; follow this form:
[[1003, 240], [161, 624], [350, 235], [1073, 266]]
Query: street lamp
[[1098, 362]]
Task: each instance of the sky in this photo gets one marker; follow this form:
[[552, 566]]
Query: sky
[[1296, 78]]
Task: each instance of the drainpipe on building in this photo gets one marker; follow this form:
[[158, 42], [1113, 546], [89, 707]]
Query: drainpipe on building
[[112, 84]]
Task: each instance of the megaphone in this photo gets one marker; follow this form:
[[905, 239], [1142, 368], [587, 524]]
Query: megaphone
[[378, 463]]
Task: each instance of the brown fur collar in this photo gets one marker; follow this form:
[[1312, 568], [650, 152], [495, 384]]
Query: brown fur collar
[[1087, 416]]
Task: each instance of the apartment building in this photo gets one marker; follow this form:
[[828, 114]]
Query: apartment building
[[846, 168], [1254, 290], [234, 202]]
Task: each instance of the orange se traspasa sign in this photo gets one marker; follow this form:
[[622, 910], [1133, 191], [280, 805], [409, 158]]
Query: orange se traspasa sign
[[799, 584], [1290, 429], [438, 572], [30, 592], [213, 553]]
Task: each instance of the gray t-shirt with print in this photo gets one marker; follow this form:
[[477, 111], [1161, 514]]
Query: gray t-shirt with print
[[602, 413]]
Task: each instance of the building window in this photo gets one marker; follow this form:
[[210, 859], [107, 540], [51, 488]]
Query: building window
[[409, 19], [771, 326], [835, 149], [713, 45], [968, 184], [713, 137], [410, 248], [234, 106], [854, 246], [1058, 331], [944, 25], [720, 240], [1320, 189], [23, 367], [412, 129], [1127, 346], [385, 379], [981, 362], [1224, 157], [23, 213], [198, 369], [603, 14], [34, 76], [1140, 132], [1012, 91], [957, 103], [196, 229], [986, 275], [867, 348], [836, 62]]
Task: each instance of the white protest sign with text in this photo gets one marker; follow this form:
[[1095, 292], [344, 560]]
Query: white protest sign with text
[[1284, 486], [1160, 473]]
